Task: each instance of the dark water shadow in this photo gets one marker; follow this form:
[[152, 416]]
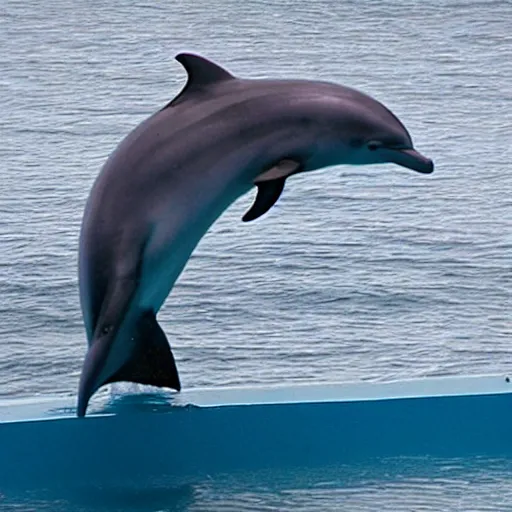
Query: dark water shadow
[[164, 499], [176, 499]]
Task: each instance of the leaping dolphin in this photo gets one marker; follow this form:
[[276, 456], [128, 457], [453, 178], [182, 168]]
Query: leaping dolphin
[[174, 175]]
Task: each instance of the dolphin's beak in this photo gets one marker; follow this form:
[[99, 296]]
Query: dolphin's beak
[[409, 158]]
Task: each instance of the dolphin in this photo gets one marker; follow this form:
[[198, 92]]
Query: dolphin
[[175, 174]]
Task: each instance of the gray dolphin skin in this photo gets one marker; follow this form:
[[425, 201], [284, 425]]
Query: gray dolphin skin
[[175, 174]]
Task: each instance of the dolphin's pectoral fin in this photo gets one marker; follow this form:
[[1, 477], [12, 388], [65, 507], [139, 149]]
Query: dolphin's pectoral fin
[[201, 73], [268, 194], [283, 169], [270, 186], [151, 362]]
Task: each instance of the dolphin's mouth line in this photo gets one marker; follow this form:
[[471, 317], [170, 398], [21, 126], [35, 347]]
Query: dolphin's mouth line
[[412, 159]]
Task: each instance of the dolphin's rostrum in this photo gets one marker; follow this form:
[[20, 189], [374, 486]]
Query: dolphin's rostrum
[[174, 175]]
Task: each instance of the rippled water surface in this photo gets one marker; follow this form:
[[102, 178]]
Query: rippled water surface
[[357, 273]]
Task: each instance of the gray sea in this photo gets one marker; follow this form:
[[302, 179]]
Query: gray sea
[[368, 273]]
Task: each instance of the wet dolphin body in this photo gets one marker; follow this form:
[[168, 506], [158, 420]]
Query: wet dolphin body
[[174, 175]]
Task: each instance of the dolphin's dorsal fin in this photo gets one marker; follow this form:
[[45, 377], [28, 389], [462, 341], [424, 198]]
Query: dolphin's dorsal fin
[[201, 73]]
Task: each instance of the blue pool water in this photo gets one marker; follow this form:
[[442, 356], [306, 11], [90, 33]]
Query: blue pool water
[[374, 273], [138, 451]]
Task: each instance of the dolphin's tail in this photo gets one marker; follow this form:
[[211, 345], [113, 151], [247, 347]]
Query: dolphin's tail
[[151, 363]]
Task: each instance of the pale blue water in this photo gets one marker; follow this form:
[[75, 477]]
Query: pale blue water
[[357, 273]]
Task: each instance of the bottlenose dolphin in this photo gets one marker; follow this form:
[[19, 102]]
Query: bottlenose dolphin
[[174, 175]]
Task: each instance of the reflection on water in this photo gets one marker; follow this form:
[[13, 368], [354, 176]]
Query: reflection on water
[[398, 484]]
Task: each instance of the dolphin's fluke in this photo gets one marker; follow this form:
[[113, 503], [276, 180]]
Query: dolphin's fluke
[[152, 361]]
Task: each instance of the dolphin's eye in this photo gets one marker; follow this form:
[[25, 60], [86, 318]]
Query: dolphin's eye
[[373, 145]]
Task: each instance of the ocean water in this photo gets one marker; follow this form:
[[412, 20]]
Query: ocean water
[[371, 273]]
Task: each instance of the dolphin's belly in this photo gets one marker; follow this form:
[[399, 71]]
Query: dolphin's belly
[[179, 228]]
